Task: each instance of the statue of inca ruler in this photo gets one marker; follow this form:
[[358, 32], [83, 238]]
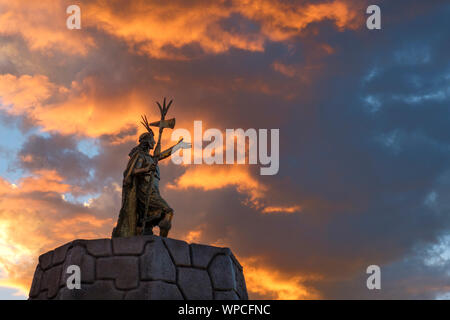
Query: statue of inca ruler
[[142, 205]]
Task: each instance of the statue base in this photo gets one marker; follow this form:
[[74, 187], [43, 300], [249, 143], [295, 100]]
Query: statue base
[[138, 268]]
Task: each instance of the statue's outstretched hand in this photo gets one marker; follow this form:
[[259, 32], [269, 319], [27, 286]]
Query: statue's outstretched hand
[[184, 145]]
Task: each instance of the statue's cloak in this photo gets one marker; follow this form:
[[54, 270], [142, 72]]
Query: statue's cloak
[[127, 222]]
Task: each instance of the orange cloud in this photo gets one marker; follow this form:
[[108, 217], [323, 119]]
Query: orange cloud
[[20, 93], [151, 28], [275, 285], [213, 178], [291, 209], [81, 108], [281, 21], [154, 27], [43, 181], [31, 225], [42, 24], [193, 235], [237, 176], [160, 29], [77, 109]]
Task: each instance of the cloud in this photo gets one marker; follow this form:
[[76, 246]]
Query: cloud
[[174, 30], [238, 177], [281, 209], [34, 219], [43, 26], [281, 21], [162, 30], [48, 105], [209, 178], [341, 200], [275, 285]]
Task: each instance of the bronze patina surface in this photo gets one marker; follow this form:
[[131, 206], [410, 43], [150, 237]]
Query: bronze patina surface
[[142, 205]]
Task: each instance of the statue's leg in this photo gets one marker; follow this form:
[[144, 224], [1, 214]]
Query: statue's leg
[[165, 224], [147, 230], [165, 220], [141, 226]]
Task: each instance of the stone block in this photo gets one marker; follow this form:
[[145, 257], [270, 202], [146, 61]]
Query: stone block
[[195, 284], [241, 287], [45, 260], [99, 247], [53, 279], [78, 256], [123, 246], [156, 264], [124, 270], [59, 254], [222, 273], [100, 290], [179, 250], [225, 295], [36, 284], [202, 255], [155, 290]]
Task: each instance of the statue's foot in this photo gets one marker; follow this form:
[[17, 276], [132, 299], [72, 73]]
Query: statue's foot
[[147, 232], [163, 233], [165, 224]]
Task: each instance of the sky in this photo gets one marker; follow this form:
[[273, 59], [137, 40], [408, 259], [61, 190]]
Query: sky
[[364, 118]]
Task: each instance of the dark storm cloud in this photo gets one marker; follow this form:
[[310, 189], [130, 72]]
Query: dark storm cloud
[[369, 184], [55, 152], [62, 154], [384, 163]]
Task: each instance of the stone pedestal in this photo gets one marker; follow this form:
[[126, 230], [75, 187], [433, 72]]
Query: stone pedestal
[[139, 268]]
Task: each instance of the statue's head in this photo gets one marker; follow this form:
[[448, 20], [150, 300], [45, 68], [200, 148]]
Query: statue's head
[[147, 139]]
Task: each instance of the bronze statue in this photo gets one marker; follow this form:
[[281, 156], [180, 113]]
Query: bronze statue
[[142, 205]]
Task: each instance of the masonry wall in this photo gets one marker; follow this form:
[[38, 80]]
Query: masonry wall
[[141, 268]]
